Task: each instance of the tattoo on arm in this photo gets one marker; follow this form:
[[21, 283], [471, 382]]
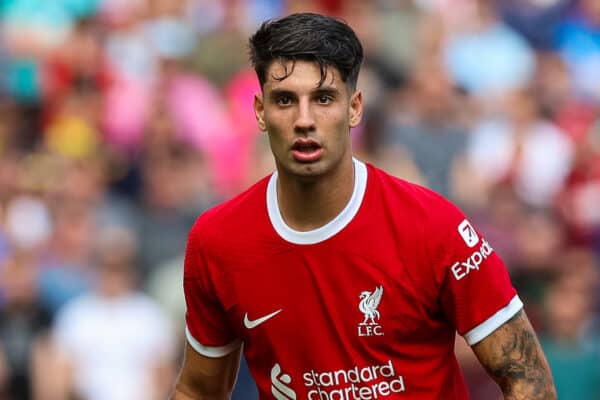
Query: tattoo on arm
[[513, 357]]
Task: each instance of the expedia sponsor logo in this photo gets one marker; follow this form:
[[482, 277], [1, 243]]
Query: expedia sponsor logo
[[468, 233], [372, 382], [462, 269]]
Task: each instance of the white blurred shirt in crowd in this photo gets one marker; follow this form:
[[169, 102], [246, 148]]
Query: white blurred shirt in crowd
[[540, 160], [113, 344]]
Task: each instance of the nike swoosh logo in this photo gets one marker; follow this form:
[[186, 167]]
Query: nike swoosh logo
[[253, 324]]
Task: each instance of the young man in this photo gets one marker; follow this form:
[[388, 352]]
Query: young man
[[341, 281]]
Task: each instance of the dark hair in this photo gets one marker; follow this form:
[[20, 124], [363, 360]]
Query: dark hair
[[308, 37]]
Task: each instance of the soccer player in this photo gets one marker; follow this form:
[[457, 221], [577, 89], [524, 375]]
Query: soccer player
[[340, 281]]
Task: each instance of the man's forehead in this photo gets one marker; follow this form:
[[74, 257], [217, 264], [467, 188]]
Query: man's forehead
[[280, 71]]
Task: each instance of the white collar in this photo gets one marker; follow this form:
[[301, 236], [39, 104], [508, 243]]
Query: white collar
[[332, 227]]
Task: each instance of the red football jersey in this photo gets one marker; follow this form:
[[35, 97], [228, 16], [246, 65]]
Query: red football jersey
[[365, 307]]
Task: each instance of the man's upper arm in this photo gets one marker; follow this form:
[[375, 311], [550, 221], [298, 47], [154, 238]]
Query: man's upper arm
[[513, 357], [204, 377]]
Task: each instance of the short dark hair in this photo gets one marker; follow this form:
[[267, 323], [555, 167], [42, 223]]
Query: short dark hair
[[307, 37]]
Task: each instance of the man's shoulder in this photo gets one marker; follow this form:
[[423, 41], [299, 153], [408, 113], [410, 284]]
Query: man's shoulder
[[232, 214], [412, 207], [404, 192]]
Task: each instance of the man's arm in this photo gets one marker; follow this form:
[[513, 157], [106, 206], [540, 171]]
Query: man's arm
[[205, 378], [513, 357]]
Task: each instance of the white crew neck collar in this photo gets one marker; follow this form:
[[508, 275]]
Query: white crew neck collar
[[332, 227]]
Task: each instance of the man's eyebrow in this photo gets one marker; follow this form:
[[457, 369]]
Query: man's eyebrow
[[281, 92], [331, 90], [319, 91]]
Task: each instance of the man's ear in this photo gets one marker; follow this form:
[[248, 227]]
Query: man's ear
[[356, 108], [259, 112]]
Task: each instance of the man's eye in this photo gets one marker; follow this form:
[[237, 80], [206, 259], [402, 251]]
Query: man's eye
[[325, 99], [284, 101]]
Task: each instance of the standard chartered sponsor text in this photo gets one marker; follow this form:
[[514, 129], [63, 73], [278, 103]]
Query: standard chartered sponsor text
[[372, 382]]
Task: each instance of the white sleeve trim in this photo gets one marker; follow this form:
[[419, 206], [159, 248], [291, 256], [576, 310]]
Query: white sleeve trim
[[488, 326], [209, 351]]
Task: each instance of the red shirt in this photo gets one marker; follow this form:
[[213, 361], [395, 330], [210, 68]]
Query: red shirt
[[365, 307]]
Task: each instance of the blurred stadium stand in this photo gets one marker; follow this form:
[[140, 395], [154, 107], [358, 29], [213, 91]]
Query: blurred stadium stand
[[122, 120]]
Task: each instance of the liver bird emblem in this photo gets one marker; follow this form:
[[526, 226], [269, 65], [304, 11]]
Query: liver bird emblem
[[369, 301]]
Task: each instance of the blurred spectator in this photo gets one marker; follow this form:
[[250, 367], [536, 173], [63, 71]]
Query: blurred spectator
[[128, 48], [553, 91], [73, 196], [163, 285], [24, 326], [237, 159], [124, 116], [578, 41], [27, 222], [19, 127], [536, 20], [399, 24], [176, 188], [167, 28], [71, 132], [540, 239], [114, 343], [228, 40], [581, 196], [74, 78], [523, 148], [509, 61], [572, 349], [201, 118], [429, 128], [34, 28], [500, 219], [65, 272]]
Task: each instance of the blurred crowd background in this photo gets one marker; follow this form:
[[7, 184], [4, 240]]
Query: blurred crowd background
[[122, 120]]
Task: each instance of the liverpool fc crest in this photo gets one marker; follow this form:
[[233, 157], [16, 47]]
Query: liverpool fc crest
[[369, 301]]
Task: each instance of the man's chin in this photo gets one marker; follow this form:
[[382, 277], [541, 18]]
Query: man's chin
[[307, 170]]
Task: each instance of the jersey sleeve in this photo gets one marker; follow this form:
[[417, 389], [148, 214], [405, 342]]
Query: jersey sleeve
[[475, 289], [207, 327]]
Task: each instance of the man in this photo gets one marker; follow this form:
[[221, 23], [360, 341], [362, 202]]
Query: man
[[341, 281]]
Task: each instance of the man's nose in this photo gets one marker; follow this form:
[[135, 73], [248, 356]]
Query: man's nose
[[305, 120]]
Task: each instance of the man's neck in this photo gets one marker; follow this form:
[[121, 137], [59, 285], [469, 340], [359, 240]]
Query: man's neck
[[308, 205]]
